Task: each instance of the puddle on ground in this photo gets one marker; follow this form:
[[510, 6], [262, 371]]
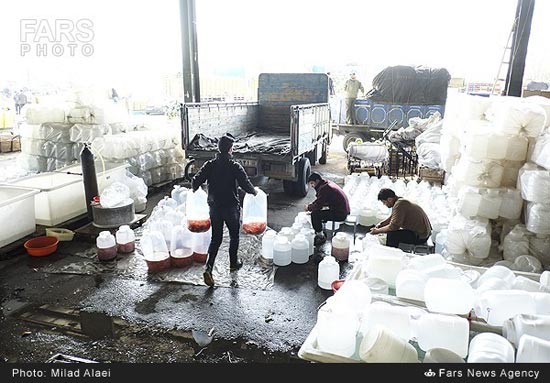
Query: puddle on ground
[[255, 273]]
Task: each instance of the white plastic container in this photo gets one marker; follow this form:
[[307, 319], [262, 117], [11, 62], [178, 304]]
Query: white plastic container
[[61, 196], [440, 240], [310, 236], [490, 204], [426, 262], [125, 239], [537, 218], [442, 331], [536, 325], [337, 332], [282, 251], [499, 272], [533, 350], [534, 183], [354, 295], [469, 201], [449, 296], [525, 284], [489, 347], [106, 246], [395, 318], [377, 285], [287, 232], [328, 272], [410, 284], [19, 203], [385, 263], [441, 355], [154, 250], [340, 246], [267, 244], [300, 249], [381, 345], [495, 306]]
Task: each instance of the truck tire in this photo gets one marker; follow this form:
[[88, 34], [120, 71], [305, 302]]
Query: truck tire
[[304, 170], [288, 187], [188, 176], [351, 137], [324, 154]]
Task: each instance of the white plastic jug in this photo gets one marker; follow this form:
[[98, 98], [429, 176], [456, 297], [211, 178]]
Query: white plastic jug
[[525, 284], [179, 193], [426, 262], [300, 249], [440, 240], [337, 332], [287, 232], [410, 284], [385, 263], [536, 325], [441, 355], [255, 212], [340, 246], [449, 296], [267, 244], [498, 272], [545, 280], [381, 345], [282, 251], [442, 331], [533, 350], [125, 239], [395, 318], [489, 347], [377, 285], [310, 236], [106, 246], [197, 211], [495, 306], [328, 272], [354, 295]]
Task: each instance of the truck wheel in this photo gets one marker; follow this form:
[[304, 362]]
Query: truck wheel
[[189, 176], [304, 170], [324, 154], [288, 187], [351, 137]]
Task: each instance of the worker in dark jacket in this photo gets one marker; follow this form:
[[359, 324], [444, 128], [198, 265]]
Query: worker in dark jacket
[[408, 223], [331, 204], [223, 175]]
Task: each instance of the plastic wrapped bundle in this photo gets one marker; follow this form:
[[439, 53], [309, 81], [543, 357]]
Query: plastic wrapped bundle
[[483, 145], [470, 237], [512, 115], [535, 184], [538, 218], [544, 103], [511, 205], [516, 149], [39, 114], [528, 264], [88, 132], [479, 173], [49, 131], [469, 201], [429, 155], [539, 246], [515, 243], [510, 173], [541, 151], [450, 151], [466, 106]]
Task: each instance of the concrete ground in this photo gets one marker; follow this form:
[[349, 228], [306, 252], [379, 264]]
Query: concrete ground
[[105, 316]]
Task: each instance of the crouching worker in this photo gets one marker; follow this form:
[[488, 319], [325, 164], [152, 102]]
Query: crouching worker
[[331, 204], [408, 223]]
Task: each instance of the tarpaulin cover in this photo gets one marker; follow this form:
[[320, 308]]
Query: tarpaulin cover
[[403, 84], [250, 143]]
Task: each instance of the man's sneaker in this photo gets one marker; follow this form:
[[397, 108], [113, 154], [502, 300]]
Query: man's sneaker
[[319, 239], [236, 266], [207, 275]]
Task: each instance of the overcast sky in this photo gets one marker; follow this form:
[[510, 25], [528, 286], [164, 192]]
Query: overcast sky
[[136, 42]]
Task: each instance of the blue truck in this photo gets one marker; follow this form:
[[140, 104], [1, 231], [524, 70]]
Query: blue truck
[[280, 136], [399, 94]]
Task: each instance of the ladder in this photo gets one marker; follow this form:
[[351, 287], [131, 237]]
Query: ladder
[[506, 55]]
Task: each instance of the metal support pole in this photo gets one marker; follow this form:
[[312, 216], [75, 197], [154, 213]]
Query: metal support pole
[[191, 83]]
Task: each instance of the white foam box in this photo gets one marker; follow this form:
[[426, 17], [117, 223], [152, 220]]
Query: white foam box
[[61, 196], [17, 218]]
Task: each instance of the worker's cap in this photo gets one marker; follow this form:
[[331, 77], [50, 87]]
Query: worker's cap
[[225, 143], [352, 74]]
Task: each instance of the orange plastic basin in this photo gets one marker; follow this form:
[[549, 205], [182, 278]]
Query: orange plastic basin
[[41, 246]]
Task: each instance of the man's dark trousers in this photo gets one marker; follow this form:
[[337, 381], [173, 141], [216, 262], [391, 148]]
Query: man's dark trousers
[[320, 216], [231, 215]]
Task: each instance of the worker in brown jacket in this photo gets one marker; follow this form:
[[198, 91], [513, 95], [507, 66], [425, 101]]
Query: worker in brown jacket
[[408, 223]]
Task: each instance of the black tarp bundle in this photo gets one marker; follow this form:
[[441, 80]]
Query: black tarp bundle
[[403, 84], [252, 142]]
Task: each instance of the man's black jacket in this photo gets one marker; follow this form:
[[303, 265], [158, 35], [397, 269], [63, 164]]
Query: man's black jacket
[[223, 175]]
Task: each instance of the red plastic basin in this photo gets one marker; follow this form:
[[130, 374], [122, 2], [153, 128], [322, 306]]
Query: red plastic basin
[[41, 246]]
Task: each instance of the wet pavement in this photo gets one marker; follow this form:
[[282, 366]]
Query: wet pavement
[[71, 304]]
